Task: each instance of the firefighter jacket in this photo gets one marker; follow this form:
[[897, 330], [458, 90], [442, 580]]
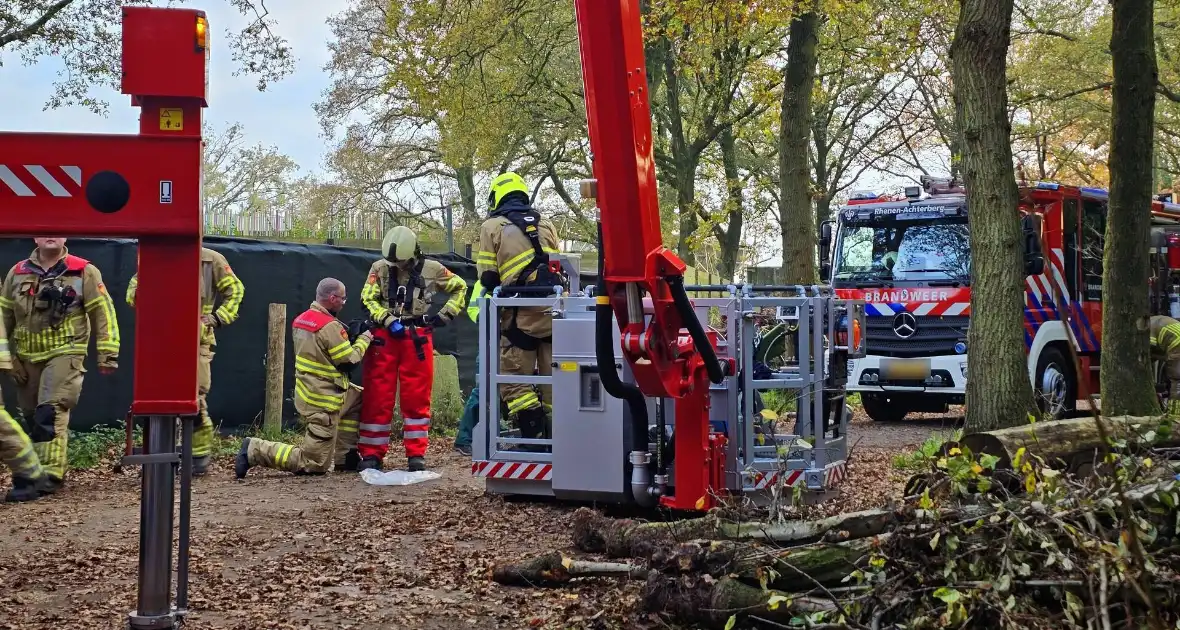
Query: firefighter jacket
[[389, 286], [473, 304], [505, 250], [51, 312], [1165, 337], [5, 351], [504, 253], [217, 279], [322, 352]]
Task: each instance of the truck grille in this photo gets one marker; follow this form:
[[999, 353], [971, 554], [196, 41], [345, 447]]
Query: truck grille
[[936, 335]]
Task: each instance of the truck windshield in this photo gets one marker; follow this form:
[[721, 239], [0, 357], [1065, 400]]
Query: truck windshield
[[889, 250]]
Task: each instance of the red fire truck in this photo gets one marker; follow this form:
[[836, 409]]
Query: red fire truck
[[909, 258]]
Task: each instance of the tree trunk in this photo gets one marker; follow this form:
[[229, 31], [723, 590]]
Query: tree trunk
[[730, 236], [796, 216], [1001, 396], [1127, 383], [555, 569], [465, 177], [1063, 443], [699, 600], [685, 165]]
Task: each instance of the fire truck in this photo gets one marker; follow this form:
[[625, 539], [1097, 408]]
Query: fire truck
[[909, 258]]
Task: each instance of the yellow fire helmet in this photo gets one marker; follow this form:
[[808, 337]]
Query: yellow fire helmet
[[400, 244], [507, 183]]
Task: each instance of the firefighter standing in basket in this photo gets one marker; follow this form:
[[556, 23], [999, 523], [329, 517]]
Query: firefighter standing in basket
[[514, 247], [1165, 346], [398, 295], [324, 355], [217, 279], [51, 302]]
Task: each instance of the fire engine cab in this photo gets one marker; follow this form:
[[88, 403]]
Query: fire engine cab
[[909, 259]]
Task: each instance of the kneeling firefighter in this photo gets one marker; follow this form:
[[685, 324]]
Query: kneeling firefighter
[[514, 247], [398, 295], [324, 354], [1165, 346]]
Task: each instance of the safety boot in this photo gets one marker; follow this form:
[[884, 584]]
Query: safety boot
[[368, 463], [25, 489], [242, 460], [416, 464], [201, 465], [351, 460], [532, 424], [463, 449]]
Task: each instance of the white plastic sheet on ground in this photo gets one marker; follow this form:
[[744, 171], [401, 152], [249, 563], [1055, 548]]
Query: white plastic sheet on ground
[[397, 477]]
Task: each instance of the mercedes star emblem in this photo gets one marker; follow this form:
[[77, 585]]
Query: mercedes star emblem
[[905, 325]]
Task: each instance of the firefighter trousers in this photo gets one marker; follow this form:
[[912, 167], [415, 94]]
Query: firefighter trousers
[[48, 391], [516, 360], [391, 369], [1172, 371], [16, 450], [324, 441], [203, 433]]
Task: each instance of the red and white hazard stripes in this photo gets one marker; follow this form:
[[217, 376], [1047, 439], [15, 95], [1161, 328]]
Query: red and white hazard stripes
[[520, 471], [1041, 288], [833, 474], [35, 180], [947, 309]]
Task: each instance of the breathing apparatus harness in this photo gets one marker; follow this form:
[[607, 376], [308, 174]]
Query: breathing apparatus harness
[[53, 296], [401, 301], [538, 277]]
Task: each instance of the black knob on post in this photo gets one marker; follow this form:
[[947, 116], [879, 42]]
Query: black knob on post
[[107, 192]]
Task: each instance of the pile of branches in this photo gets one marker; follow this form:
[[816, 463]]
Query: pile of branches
[[990, 540]]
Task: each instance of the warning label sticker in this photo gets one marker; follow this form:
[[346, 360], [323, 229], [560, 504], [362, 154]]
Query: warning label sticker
[[171, 119]]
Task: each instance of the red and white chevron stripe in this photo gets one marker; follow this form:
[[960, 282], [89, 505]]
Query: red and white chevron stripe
[[947, 309], [833, 475], [521, 471], [32, 180]]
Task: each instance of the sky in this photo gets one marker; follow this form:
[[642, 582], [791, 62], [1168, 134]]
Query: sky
[[282, 116]]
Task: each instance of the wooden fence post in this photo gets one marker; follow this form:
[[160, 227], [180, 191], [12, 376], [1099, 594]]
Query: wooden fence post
[[276, 355]]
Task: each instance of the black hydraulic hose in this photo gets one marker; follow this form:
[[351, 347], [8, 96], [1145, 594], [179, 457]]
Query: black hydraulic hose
[[604, 354], [695, 329]]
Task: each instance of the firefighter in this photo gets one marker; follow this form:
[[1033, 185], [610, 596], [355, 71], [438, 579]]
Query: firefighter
[[1165, 346], [324, 354], [398, 295], [217, 279], [514, 247], [51, 303], [29, 481], [471, 408]]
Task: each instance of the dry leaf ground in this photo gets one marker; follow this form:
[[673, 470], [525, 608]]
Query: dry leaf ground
[[278, 551]]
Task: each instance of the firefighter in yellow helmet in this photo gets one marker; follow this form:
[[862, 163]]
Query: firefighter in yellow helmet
[[398, 296], [51, 303], [324, 355], [217, 280], [514, 247], [1165, 346], [29, 480]]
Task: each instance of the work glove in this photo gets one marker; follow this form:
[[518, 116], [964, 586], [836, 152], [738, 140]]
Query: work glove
[[431, 321]]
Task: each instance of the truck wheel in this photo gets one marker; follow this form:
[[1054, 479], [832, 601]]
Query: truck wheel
[[882, 408], [1056, 385]]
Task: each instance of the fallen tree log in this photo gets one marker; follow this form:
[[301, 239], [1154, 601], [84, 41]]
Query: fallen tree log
[[1063, 444], [704, 600], [626, 538], [554, 569], [791, 569]]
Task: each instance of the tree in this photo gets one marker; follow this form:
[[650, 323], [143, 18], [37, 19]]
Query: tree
[[796, 217], [1127, 383], [244, 180], [85, 35], [1003, 395]]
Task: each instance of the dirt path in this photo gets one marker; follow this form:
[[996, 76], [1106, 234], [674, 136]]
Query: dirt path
[[278, 551]]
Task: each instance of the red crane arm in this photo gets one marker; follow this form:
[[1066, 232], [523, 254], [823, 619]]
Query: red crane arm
[[635, 261]]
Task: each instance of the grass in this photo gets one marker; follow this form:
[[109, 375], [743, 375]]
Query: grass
[[88, 449], [921, 459]]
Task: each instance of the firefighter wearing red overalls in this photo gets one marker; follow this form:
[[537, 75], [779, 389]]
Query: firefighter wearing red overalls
[[51, 303], [398, 295]]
